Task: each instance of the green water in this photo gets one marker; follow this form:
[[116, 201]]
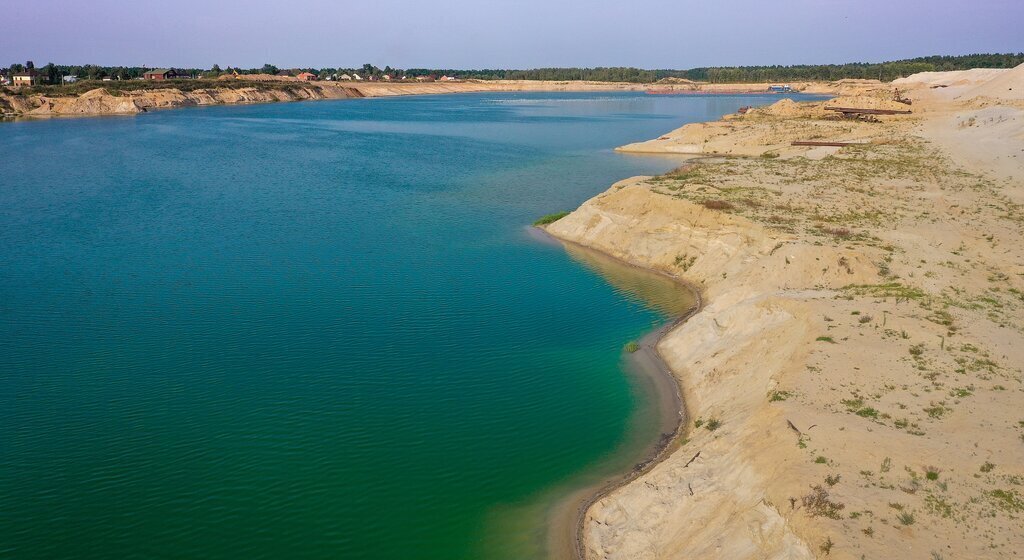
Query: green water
[[313, 330]]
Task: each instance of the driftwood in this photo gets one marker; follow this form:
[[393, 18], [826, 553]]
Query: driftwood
[[821, 143], [692, 459], [856, 111]]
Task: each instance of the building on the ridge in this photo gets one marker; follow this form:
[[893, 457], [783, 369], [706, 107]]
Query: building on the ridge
[[160, 74], [307, 77], [27, 77]]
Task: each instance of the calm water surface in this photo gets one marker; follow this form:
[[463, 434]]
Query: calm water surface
[[313, 330]]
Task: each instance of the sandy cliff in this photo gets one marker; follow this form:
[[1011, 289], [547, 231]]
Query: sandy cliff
[[101, 102], [854, 382]]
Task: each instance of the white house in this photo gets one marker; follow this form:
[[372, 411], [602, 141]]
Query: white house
[[69, 79], [357, 77], [345, 77]]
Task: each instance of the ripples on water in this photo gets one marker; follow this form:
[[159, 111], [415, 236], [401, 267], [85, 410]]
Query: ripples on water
[[310, 330]]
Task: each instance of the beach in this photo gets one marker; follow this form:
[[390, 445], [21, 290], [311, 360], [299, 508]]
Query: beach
[[853, 381]]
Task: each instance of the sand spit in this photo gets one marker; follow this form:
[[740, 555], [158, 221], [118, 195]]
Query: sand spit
[[269, 89], [854, 381]]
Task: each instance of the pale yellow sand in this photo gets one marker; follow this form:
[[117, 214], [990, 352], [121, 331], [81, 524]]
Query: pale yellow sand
[[863, 327]]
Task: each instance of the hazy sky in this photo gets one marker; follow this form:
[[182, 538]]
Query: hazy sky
[[502, 33]]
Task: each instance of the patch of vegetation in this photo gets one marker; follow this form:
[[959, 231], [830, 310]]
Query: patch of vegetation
[[631, 347], [821, 460], [889, 289], [826, 546], [825, 339], [987, 467], [906, 518], [818, 504], [931, 473], [550, 218], [1007, 500], [714, 424], [777, 396], [867, 412], [718, 205]]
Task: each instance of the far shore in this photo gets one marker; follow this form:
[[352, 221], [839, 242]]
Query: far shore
[[120, 98]]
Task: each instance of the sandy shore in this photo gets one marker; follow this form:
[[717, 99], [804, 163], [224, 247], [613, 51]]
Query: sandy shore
[[566, 536], [854, 380]]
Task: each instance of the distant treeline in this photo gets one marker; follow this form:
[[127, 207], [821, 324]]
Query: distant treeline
[[883, 71]]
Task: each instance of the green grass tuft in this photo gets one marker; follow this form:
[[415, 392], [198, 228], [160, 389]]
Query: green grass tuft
[[550, 218]]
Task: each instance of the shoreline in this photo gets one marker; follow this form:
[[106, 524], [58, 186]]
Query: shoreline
[[648, 364], [837, 305]]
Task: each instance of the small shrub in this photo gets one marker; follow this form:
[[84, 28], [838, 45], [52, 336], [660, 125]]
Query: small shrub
[[825, 339], [718, 205], [698, 422], [821, 460], [714, 424], [818, 504], [906, 518], [864, 319], [931, 473], [987, 467], [840, 232], [632, 346], [833, 479], [550, 218], [776, 396], [826, 546], [867, 412]]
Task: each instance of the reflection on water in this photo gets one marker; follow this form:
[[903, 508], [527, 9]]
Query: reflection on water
[[655, 291]]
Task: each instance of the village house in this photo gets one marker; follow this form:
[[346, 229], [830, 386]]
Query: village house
[[307, 77], [160, 74], [28, 77], [70, 79], [345, 77], [448, 78]]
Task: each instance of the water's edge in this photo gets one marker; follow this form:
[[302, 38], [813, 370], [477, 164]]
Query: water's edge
[[566, 531]]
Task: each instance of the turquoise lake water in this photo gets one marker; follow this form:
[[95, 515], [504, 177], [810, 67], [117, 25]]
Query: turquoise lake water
[[313, 330]]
